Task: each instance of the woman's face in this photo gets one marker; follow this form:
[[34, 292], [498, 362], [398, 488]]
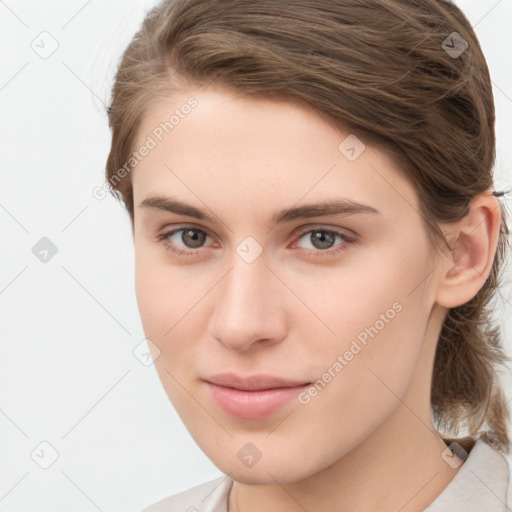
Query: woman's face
[[268, 285]]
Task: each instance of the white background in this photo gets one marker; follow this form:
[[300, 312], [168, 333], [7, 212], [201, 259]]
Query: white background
[[68, 327]]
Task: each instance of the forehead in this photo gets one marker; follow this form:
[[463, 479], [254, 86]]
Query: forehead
[[254, 152], [221, 114]]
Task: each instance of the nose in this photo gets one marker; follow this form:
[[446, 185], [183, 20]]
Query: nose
[[250, 307]]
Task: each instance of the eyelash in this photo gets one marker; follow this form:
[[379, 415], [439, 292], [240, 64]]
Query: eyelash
[[310, 252]]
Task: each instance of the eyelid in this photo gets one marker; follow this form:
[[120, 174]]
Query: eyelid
[[302, 230], [166, 230], [299, 231]]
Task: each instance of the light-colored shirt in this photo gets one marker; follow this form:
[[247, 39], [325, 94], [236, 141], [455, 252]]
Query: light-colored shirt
[[481, 485]]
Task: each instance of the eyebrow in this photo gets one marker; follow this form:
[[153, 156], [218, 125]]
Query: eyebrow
[[337, 206]]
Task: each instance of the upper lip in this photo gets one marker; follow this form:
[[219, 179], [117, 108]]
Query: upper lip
[[252, 382]]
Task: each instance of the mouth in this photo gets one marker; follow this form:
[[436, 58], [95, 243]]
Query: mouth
[[253, 397]]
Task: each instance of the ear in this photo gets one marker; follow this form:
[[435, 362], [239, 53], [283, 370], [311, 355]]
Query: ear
[[473, 241]]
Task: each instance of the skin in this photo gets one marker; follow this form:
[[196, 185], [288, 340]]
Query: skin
[[365, 442]]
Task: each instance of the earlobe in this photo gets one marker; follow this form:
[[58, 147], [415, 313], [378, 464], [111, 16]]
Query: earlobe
[[470, 262]]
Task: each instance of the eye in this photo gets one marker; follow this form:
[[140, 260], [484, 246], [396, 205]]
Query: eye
[[321, 238], [190, 236]]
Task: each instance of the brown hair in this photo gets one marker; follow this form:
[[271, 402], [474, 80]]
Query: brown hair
[[381, 68]]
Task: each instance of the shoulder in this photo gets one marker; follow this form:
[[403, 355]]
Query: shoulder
[[481, 484], [211, 496]]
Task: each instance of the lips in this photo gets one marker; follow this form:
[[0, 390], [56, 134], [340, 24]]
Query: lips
[[252, 397], [254, 382]]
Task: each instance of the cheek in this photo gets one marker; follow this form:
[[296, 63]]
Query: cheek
[[377, 316], [375, 295], [164, 292], [171, 305], [356, 393], [163, 304]]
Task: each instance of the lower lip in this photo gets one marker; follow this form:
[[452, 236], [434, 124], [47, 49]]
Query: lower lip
[[252, 405]]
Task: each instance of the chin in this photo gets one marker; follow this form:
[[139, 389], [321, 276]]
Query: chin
[[266, 472], [266, 476]]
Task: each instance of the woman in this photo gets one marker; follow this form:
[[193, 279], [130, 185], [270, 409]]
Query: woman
[[317, 239]]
